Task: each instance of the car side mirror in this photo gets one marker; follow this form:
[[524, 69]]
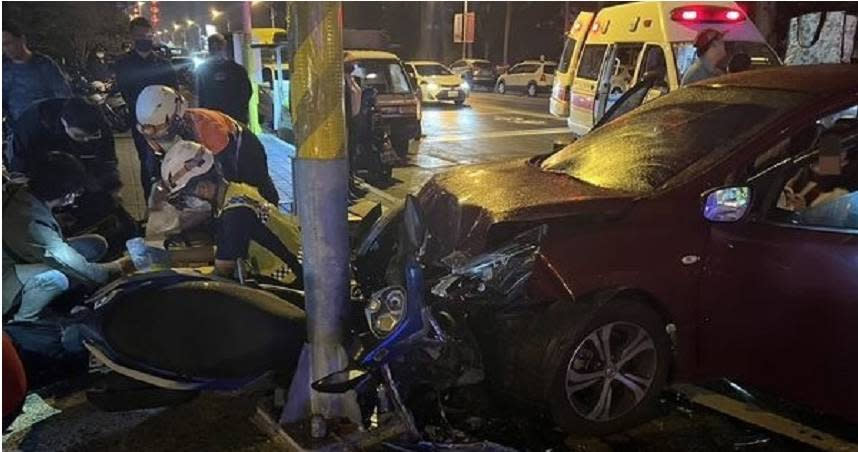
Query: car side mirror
[[726, 205]]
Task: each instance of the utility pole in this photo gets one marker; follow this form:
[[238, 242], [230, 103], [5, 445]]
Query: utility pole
[[565, 18], [271, 14], [465, 30], [506, 34], [249, 64], [321, 191]]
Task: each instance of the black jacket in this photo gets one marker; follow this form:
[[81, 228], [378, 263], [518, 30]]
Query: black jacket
[[133, 73], [39, 131], [223, 85]]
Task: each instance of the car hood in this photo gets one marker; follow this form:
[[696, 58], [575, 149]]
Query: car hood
[[461, 206], [443, 79]]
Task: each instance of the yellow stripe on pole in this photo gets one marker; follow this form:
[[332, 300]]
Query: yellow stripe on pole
[[317, 83]]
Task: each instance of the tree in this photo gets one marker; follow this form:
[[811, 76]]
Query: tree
[[69, 31]]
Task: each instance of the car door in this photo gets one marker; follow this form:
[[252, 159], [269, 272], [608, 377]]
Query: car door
[[779, 295], [510, 79], [584, 88]]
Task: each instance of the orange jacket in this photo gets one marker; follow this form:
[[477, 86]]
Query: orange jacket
[[213, 129]]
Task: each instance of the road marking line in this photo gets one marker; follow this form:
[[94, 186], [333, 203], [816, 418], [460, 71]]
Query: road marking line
[[516, 111], [489, 135], [765, 419]]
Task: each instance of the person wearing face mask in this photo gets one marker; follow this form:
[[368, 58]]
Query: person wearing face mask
[[163, 119], [39, 263], [98, 67], [139, 68], [223, 84], [70, 125], [27, 76], [248, 228]]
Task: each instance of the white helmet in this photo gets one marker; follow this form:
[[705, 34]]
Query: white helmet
[[184, 161], [158, 106]]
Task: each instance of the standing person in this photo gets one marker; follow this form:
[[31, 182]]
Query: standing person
[[352, 97], [711, 54], [163, 119], [39, 264], [98, 67], [223, 84], [27, 76], [139, 68]]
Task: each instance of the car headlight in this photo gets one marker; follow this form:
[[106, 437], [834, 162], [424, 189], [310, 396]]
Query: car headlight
[[385, 310], [432, 86], [465, 86]]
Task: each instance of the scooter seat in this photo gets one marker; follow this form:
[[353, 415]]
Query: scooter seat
[[201, 330]]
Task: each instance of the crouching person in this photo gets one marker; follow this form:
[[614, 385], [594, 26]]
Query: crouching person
[[247, 227], [39, 264]]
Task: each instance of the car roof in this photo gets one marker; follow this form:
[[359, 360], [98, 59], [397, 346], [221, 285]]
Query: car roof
[[822, 79], [351, 55], [475, 60], [537, 62], [422, 62]]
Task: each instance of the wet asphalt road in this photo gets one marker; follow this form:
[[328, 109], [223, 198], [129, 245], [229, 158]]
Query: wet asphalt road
[[489, 128]]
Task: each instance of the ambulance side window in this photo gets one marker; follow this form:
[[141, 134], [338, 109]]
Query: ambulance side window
[[625, 60], [654, 66], [566, 56], [591, 61]]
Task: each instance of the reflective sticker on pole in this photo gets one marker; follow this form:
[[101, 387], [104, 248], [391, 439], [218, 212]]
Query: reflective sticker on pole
[[317, 112]]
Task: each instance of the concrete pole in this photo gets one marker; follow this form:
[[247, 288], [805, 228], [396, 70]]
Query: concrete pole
[[321, 191], [506, 33], [565, 18], [249, 65]]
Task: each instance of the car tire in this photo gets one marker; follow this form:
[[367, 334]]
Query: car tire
[[400, 145], [633, 329], [531, 89], [501, 88], [459, 102]]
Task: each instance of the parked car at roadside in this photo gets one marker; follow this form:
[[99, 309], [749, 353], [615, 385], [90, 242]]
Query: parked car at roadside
[[435, 82], [478, 73], [529, 76], [711, 232]]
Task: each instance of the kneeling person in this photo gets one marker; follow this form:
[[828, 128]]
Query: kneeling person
[[248, 227]]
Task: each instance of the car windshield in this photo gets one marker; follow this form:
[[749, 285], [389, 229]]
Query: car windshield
[[431, 69], [760, 53], [642, 150], [386, 76]]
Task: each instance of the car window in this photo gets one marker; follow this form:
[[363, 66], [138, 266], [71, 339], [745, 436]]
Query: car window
[[431, 69], [625, 61], [566, 56], [761, 54], [644, 149], [409, 69], [483, 65], [591, 61], [386, 76], [524, 69], [549, 69], [458, 64], [821, 188]]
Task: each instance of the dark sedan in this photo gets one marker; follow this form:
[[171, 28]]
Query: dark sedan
[[712, 232]]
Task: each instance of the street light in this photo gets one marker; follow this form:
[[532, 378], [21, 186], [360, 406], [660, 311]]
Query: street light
[[189, 22], [216, 14], [176, 27]]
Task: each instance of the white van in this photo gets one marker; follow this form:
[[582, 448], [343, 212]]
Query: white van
[[607, 53]]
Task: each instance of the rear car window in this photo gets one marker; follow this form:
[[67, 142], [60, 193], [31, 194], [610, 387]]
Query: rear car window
[[431, 69], [591, 61], [566, 56], [386, 76], [760, 53], [482, 65], [644, 149], [549, 69]]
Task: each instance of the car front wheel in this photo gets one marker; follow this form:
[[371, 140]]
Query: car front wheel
[[614, 368], [501, 87]]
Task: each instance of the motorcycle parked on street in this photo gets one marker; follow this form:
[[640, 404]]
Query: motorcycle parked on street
[[106, 96], [374, 151]]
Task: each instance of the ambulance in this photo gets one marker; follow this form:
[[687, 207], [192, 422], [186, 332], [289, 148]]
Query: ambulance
[[608, 53]]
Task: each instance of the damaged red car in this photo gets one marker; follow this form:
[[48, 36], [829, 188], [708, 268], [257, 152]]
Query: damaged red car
[[712, 232]]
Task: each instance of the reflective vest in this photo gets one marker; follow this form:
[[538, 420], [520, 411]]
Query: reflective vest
[[261, 260]]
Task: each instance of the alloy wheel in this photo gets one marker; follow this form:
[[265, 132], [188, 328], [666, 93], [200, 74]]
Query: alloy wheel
[[531, 90], [611, 371], [501, 88]]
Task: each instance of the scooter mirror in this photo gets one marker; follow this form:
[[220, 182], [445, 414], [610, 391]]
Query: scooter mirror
[[342, 381], [415, 231]]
